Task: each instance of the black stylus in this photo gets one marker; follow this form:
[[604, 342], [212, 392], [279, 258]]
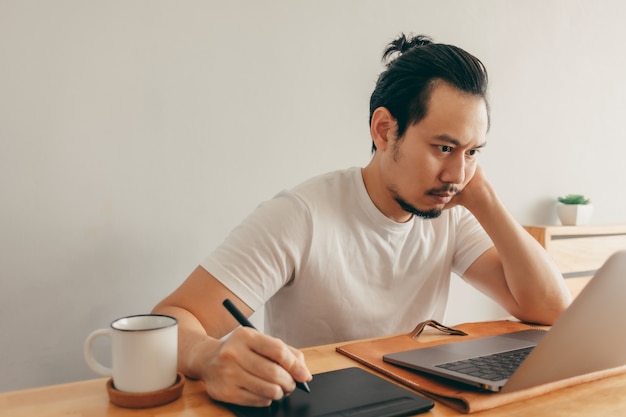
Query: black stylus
[[238, 315]]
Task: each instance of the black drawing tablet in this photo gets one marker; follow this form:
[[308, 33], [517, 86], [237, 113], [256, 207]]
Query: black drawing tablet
[[346, 392]]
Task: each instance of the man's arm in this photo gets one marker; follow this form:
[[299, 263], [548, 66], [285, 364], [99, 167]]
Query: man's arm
[[248, 367], [517, 272]]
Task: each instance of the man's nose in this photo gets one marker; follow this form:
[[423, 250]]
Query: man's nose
[[454, 170]]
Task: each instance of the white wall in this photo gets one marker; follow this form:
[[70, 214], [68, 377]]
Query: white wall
[[135, 134]]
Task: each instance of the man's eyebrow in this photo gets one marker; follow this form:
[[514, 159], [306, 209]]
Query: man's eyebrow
[[455, 142]]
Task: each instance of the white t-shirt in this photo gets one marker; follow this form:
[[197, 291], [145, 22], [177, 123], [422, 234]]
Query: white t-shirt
[[330, 267]]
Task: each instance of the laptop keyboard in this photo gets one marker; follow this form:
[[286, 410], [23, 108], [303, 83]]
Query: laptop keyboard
[[491, 367]]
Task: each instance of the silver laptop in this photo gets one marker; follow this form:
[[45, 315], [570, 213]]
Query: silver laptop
[[589, 336]]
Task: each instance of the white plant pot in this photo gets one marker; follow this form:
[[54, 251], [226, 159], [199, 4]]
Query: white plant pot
[[574, 214]]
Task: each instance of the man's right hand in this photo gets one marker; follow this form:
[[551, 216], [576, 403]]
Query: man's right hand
[[250, 368]]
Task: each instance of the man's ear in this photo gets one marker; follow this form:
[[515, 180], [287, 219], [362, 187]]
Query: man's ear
[[383, 128]]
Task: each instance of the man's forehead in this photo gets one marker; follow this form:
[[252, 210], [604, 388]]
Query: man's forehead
[[456, 142], [444, 94]]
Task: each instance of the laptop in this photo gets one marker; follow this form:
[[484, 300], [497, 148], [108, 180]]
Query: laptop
[[346, 392], [589, 336]]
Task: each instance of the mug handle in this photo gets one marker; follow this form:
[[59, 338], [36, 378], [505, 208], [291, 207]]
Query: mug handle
[[88, 352]]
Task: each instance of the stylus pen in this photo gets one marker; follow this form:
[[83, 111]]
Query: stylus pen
[[232, 309]]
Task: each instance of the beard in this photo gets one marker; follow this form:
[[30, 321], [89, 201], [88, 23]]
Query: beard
[[410, 208], [424, 214]]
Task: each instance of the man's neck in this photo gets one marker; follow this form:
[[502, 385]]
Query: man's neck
[[380, 196]]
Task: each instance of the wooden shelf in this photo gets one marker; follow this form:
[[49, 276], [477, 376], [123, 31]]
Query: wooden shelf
[[580, 250]]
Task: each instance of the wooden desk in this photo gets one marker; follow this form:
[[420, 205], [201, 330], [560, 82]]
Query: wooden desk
[[606, 397]]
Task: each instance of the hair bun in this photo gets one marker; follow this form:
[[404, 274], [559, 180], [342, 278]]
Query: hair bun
[[403, 44]]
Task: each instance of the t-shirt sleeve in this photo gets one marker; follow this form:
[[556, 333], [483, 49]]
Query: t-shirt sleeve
[[471, 241], [263, 253]]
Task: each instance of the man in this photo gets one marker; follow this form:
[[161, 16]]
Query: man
[[367, 252]]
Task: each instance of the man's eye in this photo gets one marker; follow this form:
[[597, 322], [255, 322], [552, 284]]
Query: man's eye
[[472, 152], [445, 148]]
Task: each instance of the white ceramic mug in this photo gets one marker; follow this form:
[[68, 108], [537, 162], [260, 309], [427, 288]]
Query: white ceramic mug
[[145, 351]]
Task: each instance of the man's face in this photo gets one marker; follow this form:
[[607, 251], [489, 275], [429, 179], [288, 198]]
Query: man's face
[[436, 157]]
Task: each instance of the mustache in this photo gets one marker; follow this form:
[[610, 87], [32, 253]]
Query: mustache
[[446, 189]]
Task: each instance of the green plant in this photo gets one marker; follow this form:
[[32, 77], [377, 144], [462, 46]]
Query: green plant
[[574, 199]]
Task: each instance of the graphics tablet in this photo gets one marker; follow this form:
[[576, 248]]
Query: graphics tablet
[[346, 392]]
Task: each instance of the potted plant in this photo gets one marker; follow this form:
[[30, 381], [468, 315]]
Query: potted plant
[[574, 210]]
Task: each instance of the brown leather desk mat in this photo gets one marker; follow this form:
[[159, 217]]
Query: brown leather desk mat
[[458, 396]]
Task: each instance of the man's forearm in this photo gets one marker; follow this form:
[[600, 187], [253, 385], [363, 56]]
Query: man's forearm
[[532, 277]]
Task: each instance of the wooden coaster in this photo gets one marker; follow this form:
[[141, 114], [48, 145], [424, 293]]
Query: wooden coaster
[[146, 399]]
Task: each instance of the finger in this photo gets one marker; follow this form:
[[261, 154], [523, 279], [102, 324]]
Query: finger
[[283, 365], [272, 361], [241, 390], [299, 370], [288, 358]]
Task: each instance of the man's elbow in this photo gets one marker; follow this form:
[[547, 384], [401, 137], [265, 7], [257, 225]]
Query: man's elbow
[[545, 313]]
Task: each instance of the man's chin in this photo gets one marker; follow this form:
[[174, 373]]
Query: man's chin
[[424, 214], [429, 214]]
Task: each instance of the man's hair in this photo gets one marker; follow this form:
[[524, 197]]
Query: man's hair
[[404, 88]]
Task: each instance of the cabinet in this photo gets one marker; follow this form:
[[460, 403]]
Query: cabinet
[[579, 250]]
